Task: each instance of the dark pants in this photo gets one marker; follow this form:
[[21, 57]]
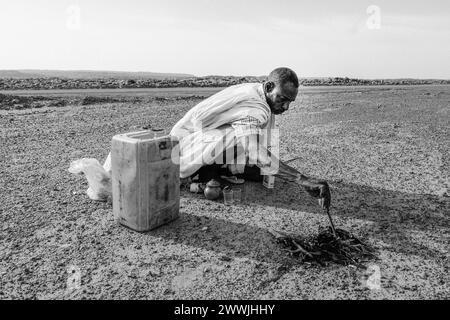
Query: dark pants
[[214, 171]]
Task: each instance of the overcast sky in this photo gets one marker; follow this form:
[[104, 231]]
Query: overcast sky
[[366, 39]]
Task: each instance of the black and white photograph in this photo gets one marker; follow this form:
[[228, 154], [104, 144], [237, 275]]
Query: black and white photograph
[[226, 156]]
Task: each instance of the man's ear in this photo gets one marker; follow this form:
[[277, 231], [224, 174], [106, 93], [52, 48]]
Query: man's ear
[[268, 86]]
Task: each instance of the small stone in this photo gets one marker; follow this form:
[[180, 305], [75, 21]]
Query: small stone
[[225, 258], [168, 291]]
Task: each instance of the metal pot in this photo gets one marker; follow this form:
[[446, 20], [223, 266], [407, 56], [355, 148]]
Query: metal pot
[[212, 190]]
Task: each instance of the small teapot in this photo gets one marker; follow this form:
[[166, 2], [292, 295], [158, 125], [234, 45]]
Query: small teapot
[[212, 190]]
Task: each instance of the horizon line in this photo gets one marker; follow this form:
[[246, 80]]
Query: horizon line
[[220, 75]]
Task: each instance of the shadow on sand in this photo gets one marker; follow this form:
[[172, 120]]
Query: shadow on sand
[[394, 217]]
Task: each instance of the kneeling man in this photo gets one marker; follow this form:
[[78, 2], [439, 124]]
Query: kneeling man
[[232, 134]]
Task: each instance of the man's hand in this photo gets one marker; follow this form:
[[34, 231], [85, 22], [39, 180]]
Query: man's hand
[[316, 188], [319, 189]]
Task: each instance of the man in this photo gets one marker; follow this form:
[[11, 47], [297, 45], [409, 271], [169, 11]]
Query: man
[[233, 122]]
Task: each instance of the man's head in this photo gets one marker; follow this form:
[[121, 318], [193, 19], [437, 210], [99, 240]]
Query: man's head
[[280, 89]]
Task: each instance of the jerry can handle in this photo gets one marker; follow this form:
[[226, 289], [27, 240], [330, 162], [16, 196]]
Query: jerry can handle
[[162, 145]]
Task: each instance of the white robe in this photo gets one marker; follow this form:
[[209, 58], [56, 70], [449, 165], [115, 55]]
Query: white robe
[[206, 130]]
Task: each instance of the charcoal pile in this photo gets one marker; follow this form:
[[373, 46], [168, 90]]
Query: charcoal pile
[[340, 247]]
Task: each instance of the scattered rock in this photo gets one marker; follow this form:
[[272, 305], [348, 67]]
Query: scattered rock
[[225, 258]]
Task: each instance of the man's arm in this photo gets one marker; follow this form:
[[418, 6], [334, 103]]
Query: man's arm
[[316, 188], [247, 131]]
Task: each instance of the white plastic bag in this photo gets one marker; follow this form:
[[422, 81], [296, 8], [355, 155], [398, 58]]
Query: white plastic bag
[[99, 179], [107, 164]]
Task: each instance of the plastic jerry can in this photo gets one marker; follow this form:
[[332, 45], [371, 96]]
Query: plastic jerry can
[[145, 179]]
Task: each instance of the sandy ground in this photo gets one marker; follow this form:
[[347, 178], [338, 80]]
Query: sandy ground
[[385, 151]]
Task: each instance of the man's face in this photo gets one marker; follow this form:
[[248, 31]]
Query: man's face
[[280, 96]]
